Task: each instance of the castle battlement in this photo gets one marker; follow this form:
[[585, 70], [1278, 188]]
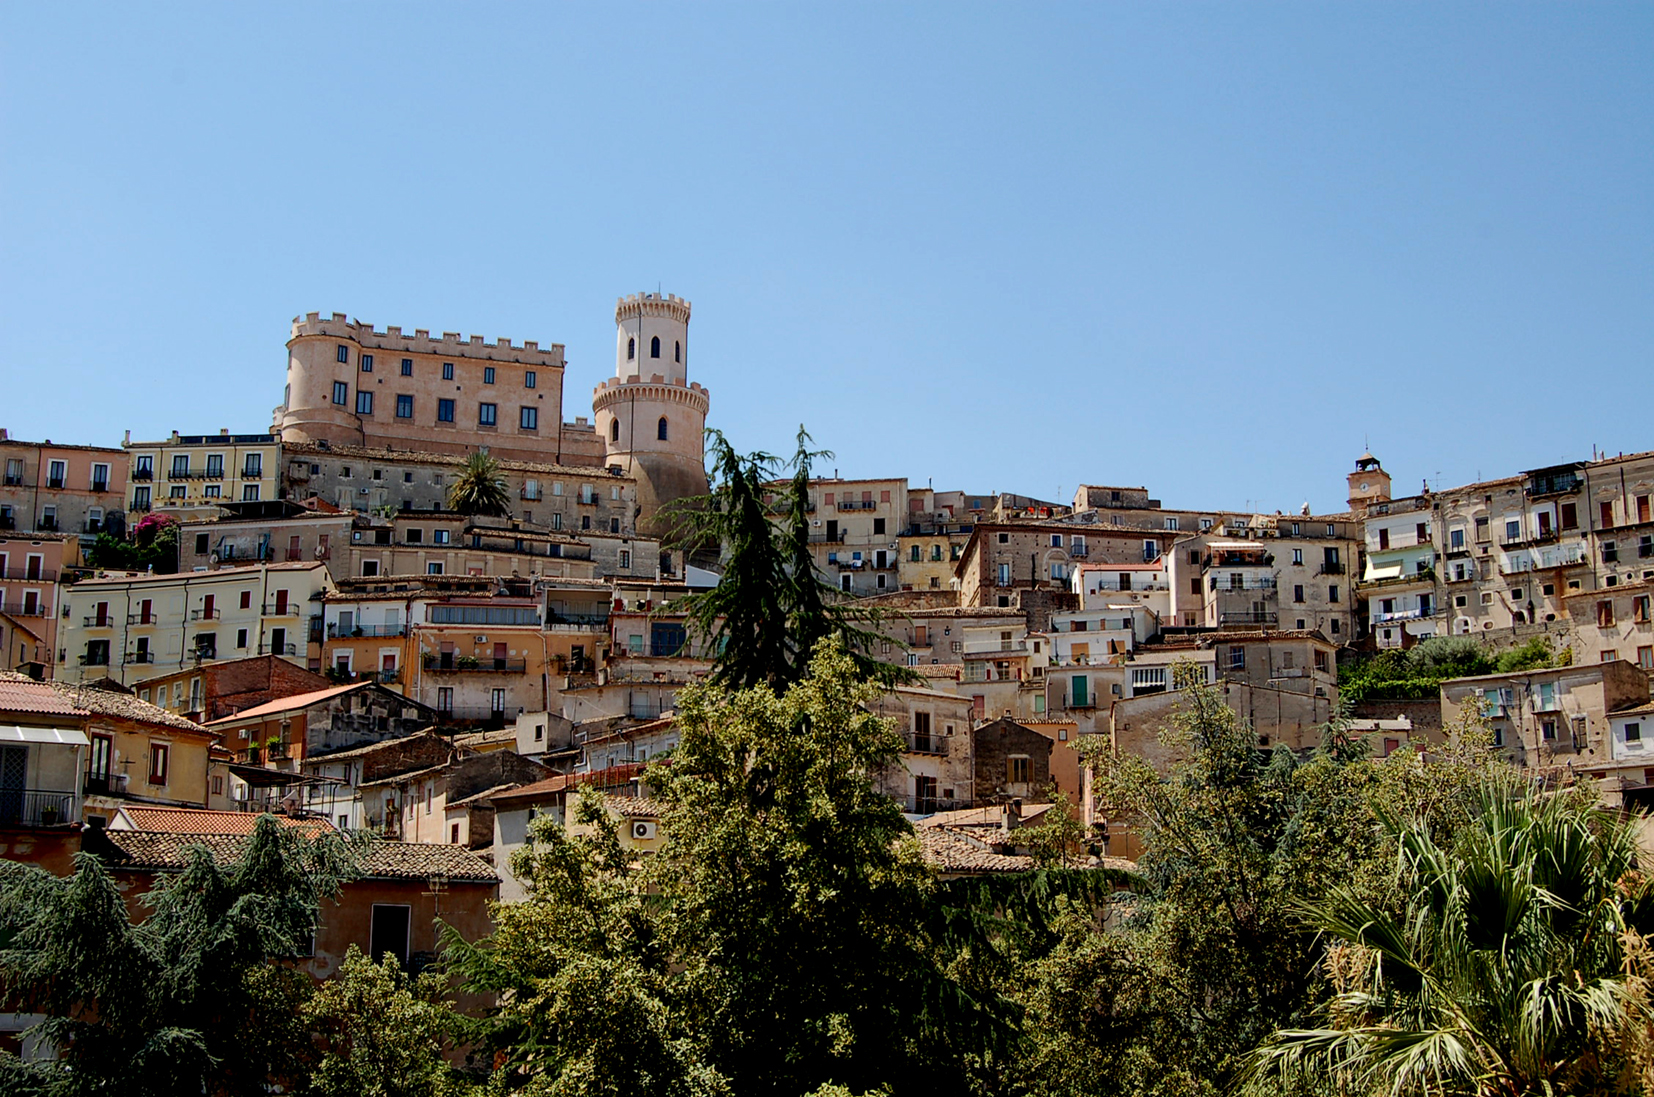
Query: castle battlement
[[652, 304], [655, 379], [392, 338]]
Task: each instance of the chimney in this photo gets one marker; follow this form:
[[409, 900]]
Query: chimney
[[3, 435], [223, 432]]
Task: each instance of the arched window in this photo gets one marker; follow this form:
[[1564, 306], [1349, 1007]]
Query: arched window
[[660, 429], [677, 351], [614, 431], [631, 349], [654, 347]]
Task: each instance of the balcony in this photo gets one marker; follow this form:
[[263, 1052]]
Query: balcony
[[205, 615], [252, 473], [100, 485], [857, 504], [98, 620], [467, 665], [924, 744], [930, 805], [142, 619], [282, 609], [1249, 617], [39, 609], [48, 523], [139, 657], [827, 538], [7, 522], [993, 648], [1254, 583], [13, 481], [143, 474], [95, 659], [35, 807], [283, 649], [334, 632], [1330, 569], [54, 483], [30, 575]]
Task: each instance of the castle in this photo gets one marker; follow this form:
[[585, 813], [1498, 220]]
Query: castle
[[349, 383]]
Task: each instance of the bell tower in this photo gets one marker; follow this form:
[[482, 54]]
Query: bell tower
[[1369, 483], [650, 417]]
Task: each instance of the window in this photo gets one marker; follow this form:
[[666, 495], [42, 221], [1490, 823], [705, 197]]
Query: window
[[631, 349], [488, 375], [342, 353], [415, 536], [1056, 540], [1018, 769], [1298, 556], [1634, 732], [913, 554], [434, 567], [1605, 614], [1237, 657], [407, 367], [488, 414], [439, 537], [364, 403], [445, 411], [1005, 538], [878, 526], [660, 429], [529, 379], [367, 363], [625, 559], [1298, 593], [614, 431], [341, 393], [654, 347], [1171, 523], [249, 493], [388, 930], [677, 351], [1610, 552], [100, 477], [1570, 516], [1645, 657], [529, 419], [158, 763], [241, 638], [1332, 594], [404, 407], [447, 371]]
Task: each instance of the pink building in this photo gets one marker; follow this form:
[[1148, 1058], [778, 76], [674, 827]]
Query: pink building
[[31, 577]]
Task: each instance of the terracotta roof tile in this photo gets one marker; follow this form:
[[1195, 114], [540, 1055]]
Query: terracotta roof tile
[[949, 852], [633, 807], [82, 700], [384, 861], [203, 821], [290, 704]]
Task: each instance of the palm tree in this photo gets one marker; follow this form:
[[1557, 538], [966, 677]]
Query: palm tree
[[1503, 970], [480, 489]]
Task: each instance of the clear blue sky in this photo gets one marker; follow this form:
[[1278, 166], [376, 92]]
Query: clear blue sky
[[1206, 248]]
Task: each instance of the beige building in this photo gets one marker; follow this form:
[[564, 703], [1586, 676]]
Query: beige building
[[1613, 623], [130, 627], [1559, 722], [350, 384], [854, 531], [189, 475], [51, 488], [936, 771]]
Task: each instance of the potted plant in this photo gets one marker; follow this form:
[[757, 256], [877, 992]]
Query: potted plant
[[467, 662]]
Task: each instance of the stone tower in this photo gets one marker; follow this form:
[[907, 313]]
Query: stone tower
[[1369, 483], [650, 418]]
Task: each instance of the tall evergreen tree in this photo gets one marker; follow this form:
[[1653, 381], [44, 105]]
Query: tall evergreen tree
[[185, 1001], [771, 607]]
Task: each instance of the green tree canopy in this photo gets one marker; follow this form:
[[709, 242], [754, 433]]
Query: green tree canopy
[[185, 1001], [478, 488]]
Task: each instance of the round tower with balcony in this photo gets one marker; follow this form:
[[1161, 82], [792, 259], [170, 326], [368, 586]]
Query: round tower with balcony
[[651, 418]]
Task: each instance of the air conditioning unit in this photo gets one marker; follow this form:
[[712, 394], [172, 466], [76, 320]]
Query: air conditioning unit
[[643, 830]]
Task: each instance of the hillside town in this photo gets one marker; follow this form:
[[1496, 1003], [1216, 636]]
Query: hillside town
[[314, 620]]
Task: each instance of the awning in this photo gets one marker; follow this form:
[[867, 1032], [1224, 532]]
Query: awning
[[1233, 546], [69, 737]]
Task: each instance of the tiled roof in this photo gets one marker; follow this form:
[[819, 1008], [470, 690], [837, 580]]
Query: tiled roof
[[948, 852], [633, 807], [420, 457], [202, 821], [290, 704], [384, 861], [613, 777], [20, 693]]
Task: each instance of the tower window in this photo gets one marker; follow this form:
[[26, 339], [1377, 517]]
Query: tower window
[[529, 379], [367, 363], [447, 371], [660, 429], [654, 347], [614, 431], [488, 375], [487, 414], [343, 353], [407, 367], [677, 351], [631, 349]]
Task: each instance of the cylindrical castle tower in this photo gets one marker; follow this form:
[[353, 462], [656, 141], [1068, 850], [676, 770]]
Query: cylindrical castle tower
[[651, 419]]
